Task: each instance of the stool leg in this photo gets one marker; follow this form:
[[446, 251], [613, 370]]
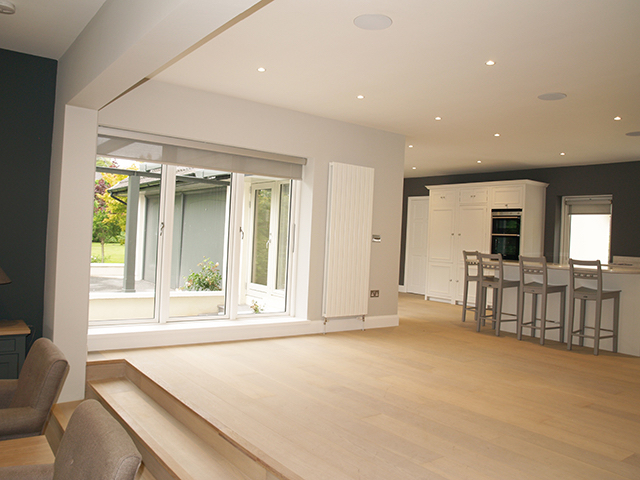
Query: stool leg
[[464, 298], [481, 307], [583, 313], [478, 300], [596, 335], [543, 317], [498, 310], [572, 307], [616, 315], [534, 314], [563, 299], [520, 313]]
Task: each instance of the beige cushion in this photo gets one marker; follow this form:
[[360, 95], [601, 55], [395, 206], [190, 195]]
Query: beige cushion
[[34, 393]]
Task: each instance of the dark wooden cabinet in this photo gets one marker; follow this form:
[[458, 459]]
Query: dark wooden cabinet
[[13, 334]]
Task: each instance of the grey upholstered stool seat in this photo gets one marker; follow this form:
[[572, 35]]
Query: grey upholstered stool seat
[[25, 403], [583, 270], [94, 446], [471, 274], [537, 267], [492, 276]]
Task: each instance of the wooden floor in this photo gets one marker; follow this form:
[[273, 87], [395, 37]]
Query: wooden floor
[[429, 399]]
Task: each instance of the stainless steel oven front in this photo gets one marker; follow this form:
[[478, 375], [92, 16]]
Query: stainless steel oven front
[[505, 232]]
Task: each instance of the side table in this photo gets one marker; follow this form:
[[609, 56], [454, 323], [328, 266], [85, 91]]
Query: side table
[[13, 334]]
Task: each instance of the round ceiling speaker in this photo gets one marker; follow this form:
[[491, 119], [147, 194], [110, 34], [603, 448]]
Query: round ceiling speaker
[[7, 8], [372, 22], [552, 96]]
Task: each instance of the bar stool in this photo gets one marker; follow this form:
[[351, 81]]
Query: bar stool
[[537, 267], [492, 276], [471, 274], [584, 270]]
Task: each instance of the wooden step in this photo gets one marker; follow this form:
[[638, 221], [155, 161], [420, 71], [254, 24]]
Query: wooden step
[[175, 441]]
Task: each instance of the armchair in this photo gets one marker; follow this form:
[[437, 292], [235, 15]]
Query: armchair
[[25, 403], [94, 445]]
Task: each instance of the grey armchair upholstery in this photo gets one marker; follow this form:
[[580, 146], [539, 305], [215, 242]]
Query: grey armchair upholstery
[[94, 446], [25, 403]]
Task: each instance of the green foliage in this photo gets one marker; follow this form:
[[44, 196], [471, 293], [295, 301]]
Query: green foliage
[[109, 215], [255, 307], [208, 278]]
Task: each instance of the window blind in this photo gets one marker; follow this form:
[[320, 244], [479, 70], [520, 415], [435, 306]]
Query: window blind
[[595, 205], [144, 147]]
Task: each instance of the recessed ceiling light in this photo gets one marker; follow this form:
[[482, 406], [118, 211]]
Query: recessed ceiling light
[[479, 161], [617, 118], [561, 153], [262, 69], [372, 22], [410, 146], [633, 134], [552, 96], [7, 8], [489, 63], [413, 168], [360, 97], [438, 118], [496, 134]]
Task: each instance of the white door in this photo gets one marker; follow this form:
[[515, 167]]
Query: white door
[[415, 271]]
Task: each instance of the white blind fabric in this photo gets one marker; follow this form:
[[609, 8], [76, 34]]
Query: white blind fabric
[[594, 205], [151, 148]]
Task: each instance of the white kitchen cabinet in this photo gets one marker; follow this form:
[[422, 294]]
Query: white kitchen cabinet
[[460, 219], [511, 196]]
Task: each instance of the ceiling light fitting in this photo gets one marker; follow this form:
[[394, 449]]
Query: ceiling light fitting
[[438, 118], [360, 97], [561, 153], [372, 22], [7, 8], [496, 134], [617, 118], [490, 63], [410, 146], [262, 69], [552, 96]]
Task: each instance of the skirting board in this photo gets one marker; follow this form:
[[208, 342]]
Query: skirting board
[[142, 336]]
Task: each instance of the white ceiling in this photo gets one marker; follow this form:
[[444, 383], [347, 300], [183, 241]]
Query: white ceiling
[[45, 27], [430, 62]]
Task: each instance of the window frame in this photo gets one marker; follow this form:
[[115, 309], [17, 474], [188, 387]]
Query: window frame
[[565, 224]]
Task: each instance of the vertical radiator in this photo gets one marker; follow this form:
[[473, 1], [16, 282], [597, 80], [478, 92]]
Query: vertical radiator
[[348, 244]]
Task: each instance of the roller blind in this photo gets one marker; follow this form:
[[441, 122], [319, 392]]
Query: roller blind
[[595, 205], [150, 148]]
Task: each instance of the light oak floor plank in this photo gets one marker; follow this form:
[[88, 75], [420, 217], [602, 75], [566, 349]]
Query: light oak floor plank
[[431, 398]]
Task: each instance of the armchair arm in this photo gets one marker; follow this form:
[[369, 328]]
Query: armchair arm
[[27, 472], [20, 422], [7, 390]]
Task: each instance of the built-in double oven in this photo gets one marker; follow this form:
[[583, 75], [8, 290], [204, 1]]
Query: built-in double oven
[[505, 232]]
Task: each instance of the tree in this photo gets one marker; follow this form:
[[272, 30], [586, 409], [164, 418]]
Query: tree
[[109, 214]]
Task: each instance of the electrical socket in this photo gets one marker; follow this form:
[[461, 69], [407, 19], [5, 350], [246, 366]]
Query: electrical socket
[[374, 293]]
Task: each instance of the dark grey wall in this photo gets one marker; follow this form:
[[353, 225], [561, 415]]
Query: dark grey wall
[[622, 180], [28, 86]]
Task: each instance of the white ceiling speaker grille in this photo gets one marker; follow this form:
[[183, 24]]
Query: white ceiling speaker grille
[[372, 22], [7, 8], [552, 96]]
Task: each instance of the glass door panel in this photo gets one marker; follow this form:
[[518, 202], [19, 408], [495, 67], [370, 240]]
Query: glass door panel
[[199, 243], [125, 239]]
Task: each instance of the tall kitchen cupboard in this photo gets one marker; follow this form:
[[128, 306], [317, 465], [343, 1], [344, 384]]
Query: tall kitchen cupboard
[[460, 219]]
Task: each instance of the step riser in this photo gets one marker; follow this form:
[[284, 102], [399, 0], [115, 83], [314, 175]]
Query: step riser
[[249, 464]]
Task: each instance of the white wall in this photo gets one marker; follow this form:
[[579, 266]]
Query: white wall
[[165, 109]]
